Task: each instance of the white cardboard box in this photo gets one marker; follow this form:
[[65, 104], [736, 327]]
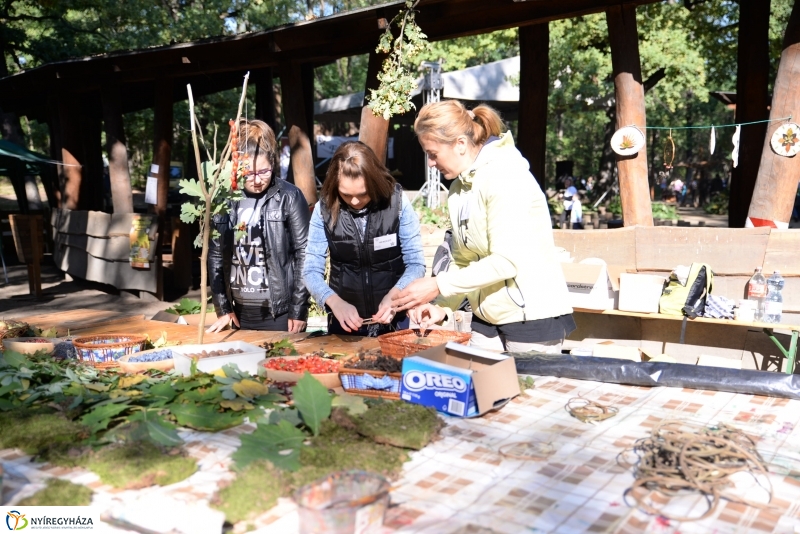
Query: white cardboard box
[[590, 285], [640, 292]]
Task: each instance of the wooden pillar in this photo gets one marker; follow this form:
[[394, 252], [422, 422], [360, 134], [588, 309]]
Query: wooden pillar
[[121, 193], [629, 94], [294, 111], [71, 152], [93, 182], [374, 131], [265, 96], [307, 76], [534, 85], [57, 174], [162, 142], [776, 184], [752, 103]]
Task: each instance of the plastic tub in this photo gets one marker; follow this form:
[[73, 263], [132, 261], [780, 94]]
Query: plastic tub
[[349, 502], [246, 361], [139, 367]]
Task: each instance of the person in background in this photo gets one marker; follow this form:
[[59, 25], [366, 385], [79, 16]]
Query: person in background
[[504, 257], [576, 213], [367, 226], [255, 266]]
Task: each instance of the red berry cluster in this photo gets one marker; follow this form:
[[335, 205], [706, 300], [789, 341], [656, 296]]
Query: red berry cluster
[[312, 364], [234, 153]]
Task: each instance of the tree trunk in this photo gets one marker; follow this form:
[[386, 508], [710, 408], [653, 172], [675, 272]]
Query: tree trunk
[[121, 193], [534, 85], [776, 185], [374, 131]]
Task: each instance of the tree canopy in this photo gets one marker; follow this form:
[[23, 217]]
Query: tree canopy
[[688, 49]]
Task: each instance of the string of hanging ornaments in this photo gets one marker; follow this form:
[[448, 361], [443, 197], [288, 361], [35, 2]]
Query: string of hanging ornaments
[[785, 141]]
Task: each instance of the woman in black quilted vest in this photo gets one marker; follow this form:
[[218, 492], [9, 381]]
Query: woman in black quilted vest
[[367, 227]]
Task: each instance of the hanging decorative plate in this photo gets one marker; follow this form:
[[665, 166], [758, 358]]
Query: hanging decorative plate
[[627, 141], [786, 140]]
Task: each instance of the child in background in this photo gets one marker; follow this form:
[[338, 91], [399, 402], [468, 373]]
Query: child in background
[[576, 214]]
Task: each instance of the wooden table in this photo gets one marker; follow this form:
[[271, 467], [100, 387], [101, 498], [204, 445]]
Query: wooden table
[[768, 328], [90, 322]]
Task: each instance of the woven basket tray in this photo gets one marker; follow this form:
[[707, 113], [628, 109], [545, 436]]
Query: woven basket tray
[[104, 350], [353, 382], [404, 342]]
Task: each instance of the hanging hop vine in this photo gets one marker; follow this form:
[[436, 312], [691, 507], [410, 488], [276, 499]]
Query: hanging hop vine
[[393, 95]]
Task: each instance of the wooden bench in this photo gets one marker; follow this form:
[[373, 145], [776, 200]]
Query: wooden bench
[[768, 328]]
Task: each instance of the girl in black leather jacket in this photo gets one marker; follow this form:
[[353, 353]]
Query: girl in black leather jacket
[[256, 280]]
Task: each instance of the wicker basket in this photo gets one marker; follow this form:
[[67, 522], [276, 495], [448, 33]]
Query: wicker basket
[[353, 382], [404, 342], [103, 351]]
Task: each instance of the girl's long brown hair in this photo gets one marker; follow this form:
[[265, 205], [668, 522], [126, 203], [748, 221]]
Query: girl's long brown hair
[[256, 138], [353, 160]]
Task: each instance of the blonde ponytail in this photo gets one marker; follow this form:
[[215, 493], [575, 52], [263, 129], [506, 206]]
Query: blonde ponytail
[[447, 120]]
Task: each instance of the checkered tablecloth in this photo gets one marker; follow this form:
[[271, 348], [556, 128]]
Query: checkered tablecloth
[[475, 480]]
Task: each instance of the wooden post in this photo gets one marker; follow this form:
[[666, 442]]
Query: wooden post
[[534, 84], [162, 143], [71, 153], [27, 233], [776, 184], [265, 96], [92, 184], [57, 173], [121, 193], [629, 93], [294, 111], [374, 131], [752, 104]]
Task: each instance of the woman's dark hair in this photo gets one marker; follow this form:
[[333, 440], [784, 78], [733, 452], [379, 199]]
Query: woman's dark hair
[[256, 138], [353, 160]]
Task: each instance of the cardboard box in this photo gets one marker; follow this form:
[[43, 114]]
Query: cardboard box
[[459, 380], [620, 352], [640, 292], [590, 285]]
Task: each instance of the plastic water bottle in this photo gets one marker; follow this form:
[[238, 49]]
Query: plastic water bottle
[[757, 290], [773, 304]]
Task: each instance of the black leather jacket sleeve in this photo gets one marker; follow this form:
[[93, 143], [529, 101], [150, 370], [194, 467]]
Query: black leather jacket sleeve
[[299, 218], [219, 250]]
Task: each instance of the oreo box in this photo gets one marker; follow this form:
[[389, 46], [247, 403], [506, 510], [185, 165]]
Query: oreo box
[[459, 380]]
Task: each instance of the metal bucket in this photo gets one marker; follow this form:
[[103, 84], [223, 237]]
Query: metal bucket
[[350, 502]]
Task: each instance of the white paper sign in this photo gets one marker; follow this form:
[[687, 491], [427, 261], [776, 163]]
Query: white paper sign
[[385, 241], [154, 168], [151, 191]]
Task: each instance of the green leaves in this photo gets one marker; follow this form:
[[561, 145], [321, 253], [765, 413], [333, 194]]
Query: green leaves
[[280, 444], [14, 359], [312, 400], [157, 429], [352, 403], [100, 417], [204, 417], [397, 81], [191, 188]]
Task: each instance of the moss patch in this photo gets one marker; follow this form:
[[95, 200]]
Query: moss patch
[[42, 433], [139, 465], [60, 493], [254, 491], [401, 424]]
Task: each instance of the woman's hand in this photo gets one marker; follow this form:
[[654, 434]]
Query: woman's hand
[[347, 314], [418, 292], [223, 322], [296, 326], [386, 312], [427, 315]]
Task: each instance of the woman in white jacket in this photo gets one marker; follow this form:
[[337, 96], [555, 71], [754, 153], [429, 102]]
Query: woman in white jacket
[[504, 257]]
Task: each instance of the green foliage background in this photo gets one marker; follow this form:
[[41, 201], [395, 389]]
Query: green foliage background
[[696, 48]]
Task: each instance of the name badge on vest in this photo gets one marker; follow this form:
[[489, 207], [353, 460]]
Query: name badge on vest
[[385, 241]]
